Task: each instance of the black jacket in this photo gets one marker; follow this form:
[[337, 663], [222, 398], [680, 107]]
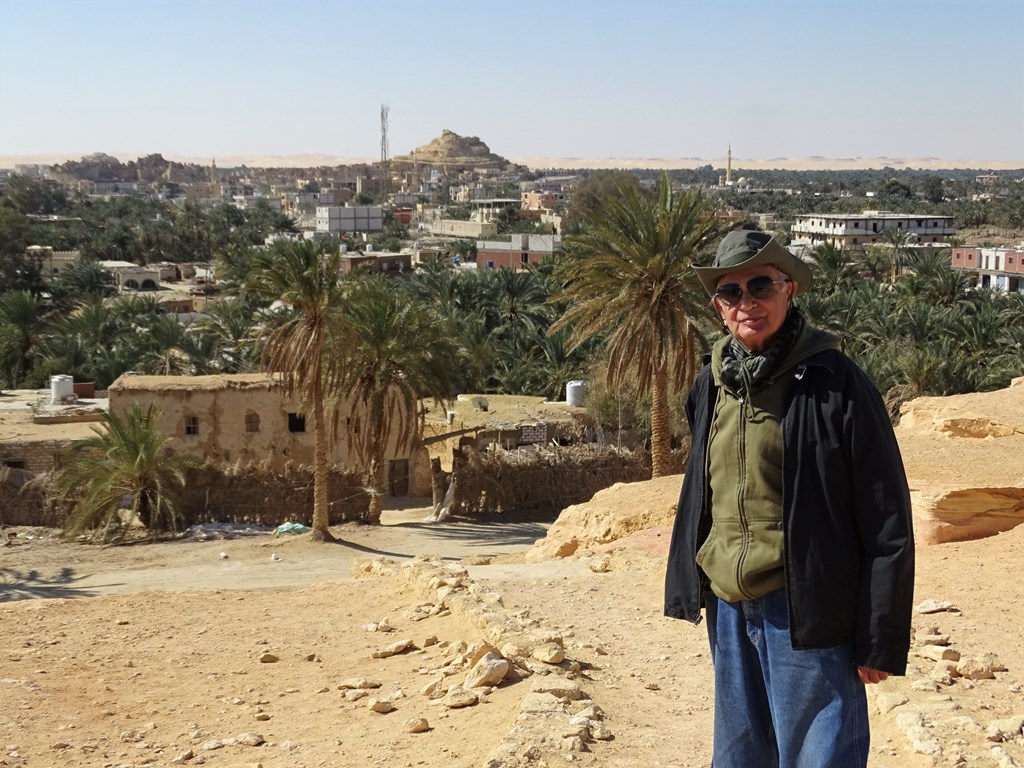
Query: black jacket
[[849, 544]]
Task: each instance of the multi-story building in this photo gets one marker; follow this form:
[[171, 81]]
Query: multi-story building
[[518, 253], [857, 230], [543, 200], [457, 228], [1001, 269], [352, 218]]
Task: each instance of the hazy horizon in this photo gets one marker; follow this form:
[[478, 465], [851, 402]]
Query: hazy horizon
[[663, 82]]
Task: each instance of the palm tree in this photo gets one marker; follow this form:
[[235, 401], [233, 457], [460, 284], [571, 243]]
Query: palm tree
[[403, 353], [833, 268], [21, 328], [127, 459], [307, 342], [629, 276]]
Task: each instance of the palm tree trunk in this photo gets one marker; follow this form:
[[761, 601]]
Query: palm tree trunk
[[321, 519], [661, 435], [376, 490]]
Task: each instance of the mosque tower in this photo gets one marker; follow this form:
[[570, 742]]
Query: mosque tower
[[728, 168]]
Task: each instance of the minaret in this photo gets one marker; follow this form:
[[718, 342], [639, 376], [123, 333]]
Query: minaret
[[213, 170], [728, 168]]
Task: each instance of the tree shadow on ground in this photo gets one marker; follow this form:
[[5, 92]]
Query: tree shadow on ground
[[31, 585], [479, 539]]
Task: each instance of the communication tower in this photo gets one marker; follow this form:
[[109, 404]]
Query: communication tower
[[385, 170]]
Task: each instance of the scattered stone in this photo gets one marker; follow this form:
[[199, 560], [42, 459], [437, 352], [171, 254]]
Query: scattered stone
[[60, 745], [417, 725], [436, 688], [459, 698], [489, 670], [993, 661], [359, 683], [213, 744], [888, 701], [1003, 758], [1006, 729], [383, 706], [558, 687], [268, 658], [926, 685], [549, 653], [600, 564], [355, 695], [541, 703], [601, 732], [975, 669], [922, 741], [935, 606], [394, 649], [250, 740], [430, 641], [933, 639], [184, 757], [938, 653], [262, 716]]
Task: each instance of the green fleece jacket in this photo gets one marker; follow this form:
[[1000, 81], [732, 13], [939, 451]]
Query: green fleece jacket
[[743, 553]]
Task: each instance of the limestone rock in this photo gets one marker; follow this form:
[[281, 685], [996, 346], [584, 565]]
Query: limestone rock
[[975, 669], [888, 701], [250, 740], [557, 686], [489, 670], [922, 741], [459, 698], [268, 658], [932, 605], [1006, 729], [383, 706], [938, 653], [359, 683], [549, 653], [417, 725], [603, 520], [394, 649]]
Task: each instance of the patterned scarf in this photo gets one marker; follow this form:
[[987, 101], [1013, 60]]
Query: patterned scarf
[[744, 371]]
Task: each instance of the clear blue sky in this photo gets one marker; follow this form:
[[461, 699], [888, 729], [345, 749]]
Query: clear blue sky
[[575, 78]]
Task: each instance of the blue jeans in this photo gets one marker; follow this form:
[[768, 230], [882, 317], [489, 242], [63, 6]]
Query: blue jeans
[[776, 707]]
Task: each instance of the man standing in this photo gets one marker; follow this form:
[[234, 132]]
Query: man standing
[[793, 529]]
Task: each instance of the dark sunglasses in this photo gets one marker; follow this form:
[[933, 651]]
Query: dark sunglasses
[[761, 287]]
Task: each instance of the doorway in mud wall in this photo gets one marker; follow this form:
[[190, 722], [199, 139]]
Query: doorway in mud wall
[[399, 477]]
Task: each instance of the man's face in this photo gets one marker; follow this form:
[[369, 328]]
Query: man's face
[[754, 321]]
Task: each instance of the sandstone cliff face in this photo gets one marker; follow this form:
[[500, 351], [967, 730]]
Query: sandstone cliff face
[[454, 151], [963, 456]]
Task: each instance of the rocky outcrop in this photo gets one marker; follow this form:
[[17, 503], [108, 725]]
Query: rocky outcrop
[[456, 152], [962, 455], [611, 515]]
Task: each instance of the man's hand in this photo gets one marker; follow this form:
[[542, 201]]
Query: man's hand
[[869, 676]]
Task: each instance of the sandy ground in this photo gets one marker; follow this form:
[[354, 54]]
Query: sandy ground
[[136, 655]]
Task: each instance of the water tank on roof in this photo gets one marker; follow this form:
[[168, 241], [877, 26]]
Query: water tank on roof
[[575, 392], [62, 388]]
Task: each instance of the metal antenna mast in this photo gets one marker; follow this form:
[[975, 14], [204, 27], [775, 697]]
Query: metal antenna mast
[[385, 170]]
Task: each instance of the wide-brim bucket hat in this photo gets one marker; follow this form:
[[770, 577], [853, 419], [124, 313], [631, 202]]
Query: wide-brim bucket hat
[[744, 248]]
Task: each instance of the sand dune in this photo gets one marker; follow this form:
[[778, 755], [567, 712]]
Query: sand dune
[[310, 160]]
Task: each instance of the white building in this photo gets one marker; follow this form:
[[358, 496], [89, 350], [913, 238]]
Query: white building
[[857, 230], [355, 218]]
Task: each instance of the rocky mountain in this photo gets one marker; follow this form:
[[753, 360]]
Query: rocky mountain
[[456, 152], [103, 167]]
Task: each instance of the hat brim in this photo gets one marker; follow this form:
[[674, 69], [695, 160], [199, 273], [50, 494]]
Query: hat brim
[[774, 254]]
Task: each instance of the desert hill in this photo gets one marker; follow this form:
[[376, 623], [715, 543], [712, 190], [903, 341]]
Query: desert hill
[[454, 152]]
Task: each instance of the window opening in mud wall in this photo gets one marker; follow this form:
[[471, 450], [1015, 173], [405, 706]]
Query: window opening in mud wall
[[296, 422], [252, 422], [191, 425]]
